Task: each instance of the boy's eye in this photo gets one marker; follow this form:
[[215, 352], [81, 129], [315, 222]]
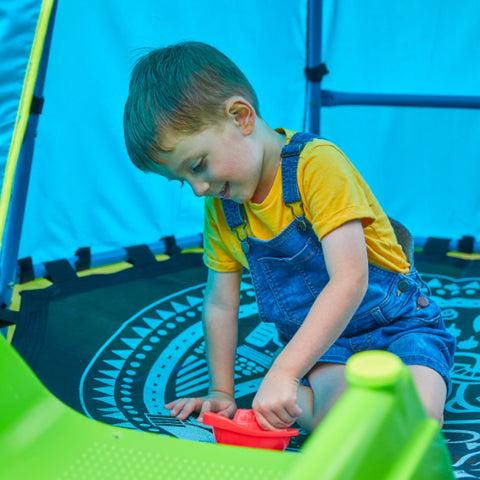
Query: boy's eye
[[199, 166]]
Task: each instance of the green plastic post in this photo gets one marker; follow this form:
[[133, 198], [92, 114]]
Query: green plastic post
[[377, 430]]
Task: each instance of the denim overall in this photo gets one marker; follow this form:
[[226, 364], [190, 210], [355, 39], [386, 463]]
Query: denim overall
[[289, 271]]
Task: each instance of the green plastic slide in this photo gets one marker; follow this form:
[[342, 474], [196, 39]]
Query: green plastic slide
[[377, 430]]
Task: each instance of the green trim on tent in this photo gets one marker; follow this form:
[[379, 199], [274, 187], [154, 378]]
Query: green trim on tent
[[24, 110]]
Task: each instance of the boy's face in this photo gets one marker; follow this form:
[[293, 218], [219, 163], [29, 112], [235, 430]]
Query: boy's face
[[223, 161]]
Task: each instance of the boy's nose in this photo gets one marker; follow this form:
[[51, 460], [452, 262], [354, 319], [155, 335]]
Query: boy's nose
[[201, 188]]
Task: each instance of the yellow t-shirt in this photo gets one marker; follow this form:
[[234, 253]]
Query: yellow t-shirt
[[333, 193]]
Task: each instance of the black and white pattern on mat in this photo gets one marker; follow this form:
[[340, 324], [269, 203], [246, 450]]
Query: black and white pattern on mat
[[459, 300], [159, 355]]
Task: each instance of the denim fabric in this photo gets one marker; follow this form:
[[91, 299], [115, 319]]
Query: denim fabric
[[289, 271]]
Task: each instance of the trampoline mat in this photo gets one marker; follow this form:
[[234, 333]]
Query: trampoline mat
[[117, 347]]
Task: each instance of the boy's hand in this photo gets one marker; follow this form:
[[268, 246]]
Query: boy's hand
[[275, 404], [217, 402]]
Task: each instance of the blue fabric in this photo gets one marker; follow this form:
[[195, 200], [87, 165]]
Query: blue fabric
[[289, 272], [84, 190], [431, 155], [18, 21]]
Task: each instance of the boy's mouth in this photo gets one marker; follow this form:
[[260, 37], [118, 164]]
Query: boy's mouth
[[225, 191]]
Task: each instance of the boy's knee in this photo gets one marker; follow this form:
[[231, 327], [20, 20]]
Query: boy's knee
[[328, 384], [431, 389]]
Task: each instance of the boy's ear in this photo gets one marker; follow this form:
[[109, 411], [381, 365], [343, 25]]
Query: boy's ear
[[242, 113]]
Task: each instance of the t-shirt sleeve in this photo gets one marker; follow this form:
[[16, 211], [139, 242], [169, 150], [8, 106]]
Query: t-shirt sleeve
[[335, 192]]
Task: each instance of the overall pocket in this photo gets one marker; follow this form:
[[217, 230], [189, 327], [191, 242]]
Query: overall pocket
[[295, 281]]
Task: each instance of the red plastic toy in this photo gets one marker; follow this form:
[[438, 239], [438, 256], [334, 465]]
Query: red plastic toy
[[244, 431]]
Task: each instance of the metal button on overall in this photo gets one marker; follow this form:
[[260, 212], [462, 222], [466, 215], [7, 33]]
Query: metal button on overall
[[403, 286], [422, 302], [301, 225]]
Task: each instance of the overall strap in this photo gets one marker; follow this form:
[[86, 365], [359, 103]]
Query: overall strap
[[290, 155], [233, 213], [236, 218]]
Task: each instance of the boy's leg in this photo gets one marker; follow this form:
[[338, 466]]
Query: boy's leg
[[305, 402], [432, 390], [327, 382]]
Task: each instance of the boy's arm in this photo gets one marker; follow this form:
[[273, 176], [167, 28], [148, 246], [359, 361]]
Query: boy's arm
[[220, 318], [347, 264], [220, 323]]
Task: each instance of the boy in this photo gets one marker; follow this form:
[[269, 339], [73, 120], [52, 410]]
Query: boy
[[324, 259]]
